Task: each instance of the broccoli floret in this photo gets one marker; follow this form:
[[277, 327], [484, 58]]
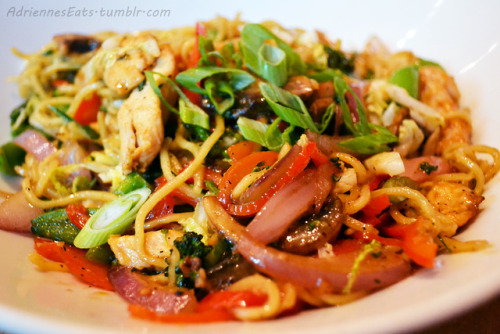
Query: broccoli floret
[[191, 245]]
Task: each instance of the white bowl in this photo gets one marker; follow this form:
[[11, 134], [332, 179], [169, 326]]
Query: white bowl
[[463, 36]]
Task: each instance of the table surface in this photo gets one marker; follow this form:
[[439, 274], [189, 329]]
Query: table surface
[[484, 319]]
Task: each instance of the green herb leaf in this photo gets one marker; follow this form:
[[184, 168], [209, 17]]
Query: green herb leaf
[[427, 168], [266, 135], [219, 89], [365, 141], [407, 78], [237, 79], [372, 143], [191, 245], [361, 127], [425, 62], [287, 106]]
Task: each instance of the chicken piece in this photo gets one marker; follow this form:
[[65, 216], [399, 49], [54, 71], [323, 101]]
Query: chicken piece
[[456, 201], [439, 91], [377, 62], [141, 130], [157, 244], [141, 122], [138, 53]]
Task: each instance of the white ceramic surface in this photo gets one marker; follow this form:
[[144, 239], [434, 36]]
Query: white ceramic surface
[[463, 36]]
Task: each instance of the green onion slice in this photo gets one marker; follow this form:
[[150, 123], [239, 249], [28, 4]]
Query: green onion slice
[[288, 106], [252, 38], [192, 114], [113, 218], [266, 135], [91, 133], [272, 64]]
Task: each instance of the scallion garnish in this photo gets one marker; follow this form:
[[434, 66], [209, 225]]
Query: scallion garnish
[[266, 135], [91, 133], [253, 36], [113, 218], [237, 79], [272, 64], [188, 112], [365, 141], [287, 106]]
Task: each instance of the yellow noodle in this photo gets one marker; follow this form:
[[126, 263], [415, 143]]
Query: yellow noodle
[[359, 226], [162, 221], [173, 184], [441, 223], [399, 217], [320, 298], [102, 196], [167, 171], [456, 246], [260, 285], [355, 163], [356, 200]]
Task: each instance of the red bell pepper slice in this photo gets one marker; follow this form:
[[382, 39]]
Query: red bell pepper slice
[[240, 150], [244, 166], [49, 249], [418, 242], [384, 241], [227, 300], [376, 206], [193, 62], [78, 214], [162, 208], [177, 193], [234, 175], [90, 272], [59, 82], [88, 109]]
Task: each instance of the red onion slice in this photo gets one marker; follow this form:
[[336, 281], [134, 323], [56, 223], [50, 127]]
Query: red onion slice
[[156, 298], [36, 144], [414, 172], [288, 204], [305, 193], [16, 213], [329, 273]]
